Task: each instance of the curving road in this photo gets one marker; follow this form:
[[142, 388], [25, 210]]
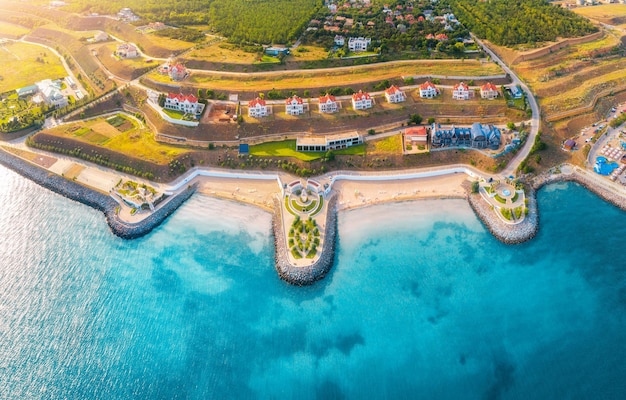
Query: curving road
[[522, 153]]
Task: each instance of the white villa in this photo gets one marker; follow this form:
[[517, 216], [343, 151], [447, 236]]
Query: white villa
[[395, 95], [362, 101], [177, 72], [294, 105], [127, 50], [50, 93], [258, 108], [428, 90], [359, 44], [329, 142], [328, 104], [180, 102], [488, 91], [461, 91]]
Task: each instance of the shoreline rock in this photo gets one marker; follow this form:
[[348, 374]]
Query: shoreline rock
[[94, 199], [308, 275]]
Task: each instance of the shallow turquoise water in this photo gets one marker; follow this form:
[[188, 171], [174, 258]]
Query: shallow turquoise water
[[422, 303]]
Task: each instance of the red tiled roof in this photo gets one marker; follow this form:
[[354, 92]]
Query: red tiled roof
[[255, 102], [181, 97], [327, 98], [416, 131], [426, 85], [488, 87], [461, 86], [291, 99], [393, 90], [360, 96], [441, 36]]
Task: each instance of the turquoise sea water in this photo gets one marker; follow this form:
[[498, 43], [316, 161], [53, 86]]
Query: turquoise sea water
[[422, 303]]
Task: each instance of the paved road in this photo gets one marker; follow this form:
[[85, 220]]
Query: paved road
[[535, 120]]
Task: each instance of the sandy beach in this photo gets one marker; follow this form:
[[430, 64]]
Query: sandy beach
[[354, 194], [258, 192]]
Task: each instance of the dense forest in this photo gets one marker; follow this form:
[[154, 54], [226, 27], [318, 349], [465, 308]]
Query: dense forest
[[250, 21], [261, 21], [509, 23]]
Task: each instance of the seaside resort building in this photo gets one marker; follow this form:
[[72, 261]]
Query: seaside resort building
[[328, 104], [428, 90], [330, 142], [258, 108], [180, 102], [477, 136], [395, 95], [361, 100], [294, 105]]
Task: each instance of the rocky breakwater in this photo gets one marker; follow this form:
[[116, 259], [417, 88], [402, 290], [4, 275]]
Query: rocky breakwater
[[307, 275], [604, 193], [94, 199], [504, 232]]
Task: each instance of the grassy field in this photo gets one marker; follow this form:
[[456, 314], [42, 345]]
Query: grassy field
[[224, 53], [308, 53], [12, 30], [287, 148], [570, 77], [391, 144], [20, 68], [334, 77], [133, 142], [606, 13], [129, 68]]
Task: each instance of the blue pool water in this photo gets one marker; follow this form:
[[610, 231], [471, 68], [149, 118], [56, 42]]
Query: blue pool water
[[422, 303], [602, 167], [506, 192]]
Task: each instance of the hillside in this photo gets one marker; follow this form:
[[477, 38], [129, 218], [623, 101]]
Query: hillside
[[257, 21], [510, 23]]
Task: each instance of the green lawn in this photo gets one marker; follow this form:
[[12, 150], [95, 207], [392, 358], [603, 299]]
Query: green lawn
[[287, 148], [173, 113]]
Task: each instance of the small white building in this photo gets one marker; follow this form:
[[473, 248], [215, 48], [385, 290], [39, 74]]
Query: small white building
[[100, 37], [362, 101], [395, 95], [340, 40], [258, 108], [330, 142], [359, 44], [127, 50], [488, 91], [180, 102], [328, 104], [294, 105], [428, 90], [461, 91]]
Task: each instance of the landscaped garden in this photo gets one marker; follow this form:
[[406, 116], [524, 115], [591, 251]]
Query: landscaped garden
[[304, 238], [16, 113]]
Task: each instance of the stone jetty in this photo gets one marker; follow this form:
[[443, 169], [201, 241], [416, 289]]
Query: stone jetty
[[307, 275], [94, 199], [507, 233]]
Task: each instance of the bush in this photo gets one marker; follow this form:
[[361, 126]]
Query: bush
[[475, 187]]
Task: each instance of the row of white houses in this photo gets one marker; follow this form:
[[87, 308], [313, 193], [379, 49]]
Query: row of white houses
[[362, 100], [326, 104]]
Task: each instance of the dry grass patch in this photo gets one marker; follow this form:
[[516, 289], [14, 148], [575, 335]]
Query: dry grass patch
[[222, 52], [333, 77], [308, 53], [12, 30], [20, 68], [607, 13], [73, 171]]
